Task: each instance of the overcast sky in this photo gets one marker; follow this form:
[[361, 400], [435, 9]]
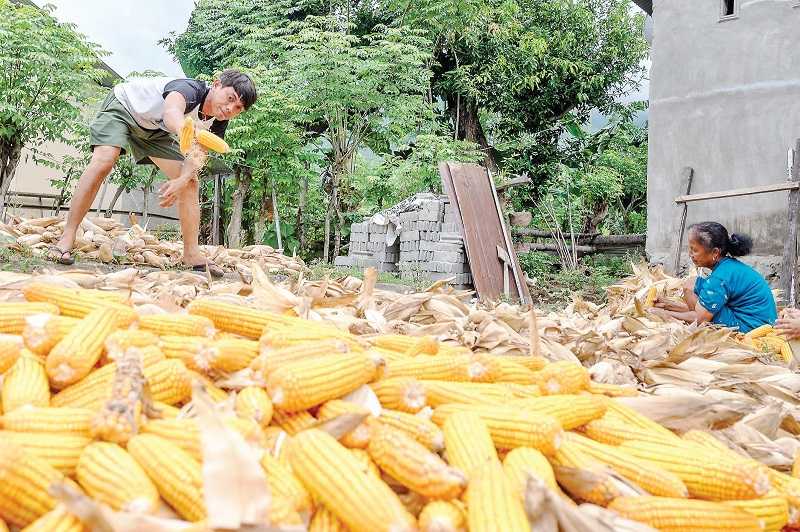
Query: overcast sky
[[129, 29]]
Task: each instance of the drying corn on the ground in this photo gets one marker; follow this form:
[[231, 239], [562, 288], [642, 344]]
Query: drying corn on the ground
[[160, 402]]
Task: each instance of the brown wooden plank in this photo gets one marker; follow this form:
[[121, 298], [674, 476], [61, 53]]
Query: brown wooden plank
[[789, 270], [482, 227], [749, 191]]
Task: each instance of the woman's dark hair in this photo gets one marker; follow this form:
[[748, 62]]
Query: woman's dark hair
[[242, 84], [713, 235]]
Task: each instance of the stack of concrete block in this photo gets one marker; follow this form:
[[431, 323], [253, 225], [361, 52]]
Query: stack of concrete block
[[368, 248]]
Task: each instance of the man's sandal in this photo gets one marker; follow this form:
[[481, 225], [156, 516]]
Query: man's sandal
[[56, 254]]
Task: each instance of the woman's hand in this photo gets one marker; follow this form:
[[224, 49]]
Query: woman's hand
[[675, 306], [788, 325]]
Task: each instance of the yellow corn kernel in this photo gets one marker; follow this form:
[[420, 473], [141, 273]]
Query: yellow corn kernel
[[120, 341], [368, 465], [469, 368], [293, 422], [26, 480], [423, 345], [442, 392], [306, 383], [679, 515], [759, 332], [76, 354], [601, 492], [231, 354], [410, 463], [111, 476], [706, 439], [177, 325], [217, 394], [772, 510], [25, 384], [60, 451], [253, 403], [530, 362], [512, 427], [524, 461], [512, 372], [13, 316], [492, 502], [77, 303], [43, 331], [192, 350], [212, 141], [571, 411], [187, 135], [443, 516], [418, 427], [403, 394], [325, 521], [334, 477], [706, 474], [612, 431], [271, 359], [653, 479], [358, 438], [163, 411], [177, 476], [308, 333], [237, 319], [562, 378], [468, 443], [284, 483], [402, 343], [58, 519], [10, 348], [49, 420], [619, 411]]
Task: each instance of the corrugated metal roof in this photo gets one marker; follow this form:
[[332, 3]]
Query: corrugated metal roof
[[646, 5]]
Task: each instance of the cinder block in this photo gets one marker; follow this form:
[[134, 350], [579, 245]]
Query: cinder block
[[343, 262], [447, 247], [447, 267], [451, 238], [386, 256], [452, 228], [409, 236], [449, 256], [386, 267]]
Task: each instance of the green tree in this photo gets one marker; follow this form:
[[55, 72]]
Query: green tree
[[49, 72]]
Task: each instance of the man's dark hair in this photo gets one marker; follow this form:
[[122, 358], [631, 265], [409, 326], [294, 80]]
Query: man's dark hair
[[242, 84]]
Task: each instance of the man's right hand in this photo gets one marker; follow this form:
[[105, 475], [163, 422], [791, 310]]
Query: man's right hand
[[170, 191]]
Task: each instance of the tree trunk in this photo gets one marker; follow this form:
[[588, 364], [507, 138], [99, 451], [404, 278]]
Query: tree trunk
[[326, 246], [9, 159], [464, 112], [301, 208], [243, 182], [110, 209], [337, 242]]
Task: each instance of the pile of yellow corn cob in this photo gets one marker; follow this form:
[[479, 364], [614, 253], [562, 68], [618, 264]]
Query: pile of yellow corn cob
[[97, 394]]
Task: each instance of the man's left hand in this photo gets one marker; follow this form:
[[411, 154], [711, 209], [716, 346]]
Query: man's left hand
[[170, 191]]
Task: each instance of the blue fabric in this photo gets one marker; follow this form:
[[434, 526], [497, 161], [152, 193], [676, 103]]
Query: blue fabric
[[737, 296]]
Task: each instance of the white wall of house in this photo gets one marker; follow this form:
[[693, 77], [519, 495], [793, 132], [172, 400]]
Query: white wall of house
[[724, 100]]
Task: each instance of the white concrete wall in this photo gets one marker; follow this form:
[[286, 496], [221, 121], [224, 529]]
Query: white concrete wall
[[725, 100]]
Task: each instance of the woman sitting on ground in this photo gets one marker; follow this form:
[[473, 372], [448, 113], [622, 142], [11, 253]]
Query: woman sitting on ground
[[733, 295]]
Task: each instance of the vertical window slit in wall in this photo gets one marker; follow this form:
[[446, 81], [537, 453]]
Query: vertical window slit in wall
[[728, 8]]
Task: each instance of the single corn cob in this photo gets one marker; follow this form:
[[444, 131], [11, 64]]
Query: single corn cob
[[533, 363], [231, 354], [414, 466], [706, 439], [293, 422], [522, 391], [217, 394], [186, 137], [772, 510], [169, 382], [10, 348], [601, 492], [402, 343], [367, 464], [786, 352], [163, 411], [469, 368], [282, 513], [43, 331], [423, 345], [652, 294], [253, 403], [571, 411], [13, 315], [244, 321], [192, 350], [120, 417], [58, 519], [492, 502], [403, 394], [513, 372], [612, 390], [562, 378], [120, 341], [630, 416], [271, 359], [111, 476], [325, 521], [334, 477], [284, 483], [25, 384], [524, 461], [77, 303], [654, 480], [759, 332], [706, 474], [212, 141], [306, 383], [418, 427], [786, 486], [177, 476], [26, 480], [303, 335], [60, 451], [49, 420], [442, 392], [186, 434], [388, 355], [680, 515], [443, 516], [511, 427], [177, 325], [467, 441], [612, 431], [357, 438], [76, 354]]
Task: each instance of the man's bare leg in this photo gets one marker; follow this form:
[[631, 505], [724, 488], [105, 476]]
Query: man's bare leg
[[188, 205], [103, 160]]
